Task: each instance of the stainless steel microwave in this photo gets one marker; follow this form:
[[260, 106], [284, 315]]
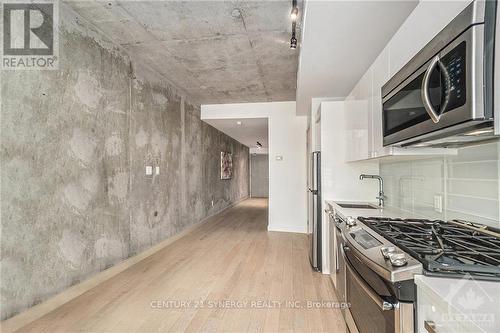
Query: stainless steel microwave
[[445, 96]]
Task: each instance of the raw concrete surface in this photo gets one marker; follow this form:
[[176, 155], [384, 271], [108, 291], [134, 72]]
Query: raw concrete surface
[[259, 175], [217, 51], [74, 146]]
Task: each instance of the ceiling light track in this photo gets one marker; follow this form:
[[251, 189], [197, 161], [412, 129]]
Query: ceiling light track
[[293, 15]]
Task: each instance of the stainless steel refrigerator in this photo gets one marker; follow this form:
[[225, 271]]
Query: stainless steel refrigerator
[[314, 203]]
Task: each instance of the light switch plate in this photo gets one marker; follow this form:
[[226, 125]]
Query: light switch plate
[[149, 170], [279, 158], [157, 170]]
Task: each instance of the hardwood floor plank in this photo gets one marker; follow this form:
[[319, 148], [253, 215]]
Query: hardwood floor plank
[[184, 287]]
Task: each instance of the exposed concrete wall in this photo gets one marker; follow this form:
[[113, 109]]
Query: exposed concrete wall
[[74, 145]]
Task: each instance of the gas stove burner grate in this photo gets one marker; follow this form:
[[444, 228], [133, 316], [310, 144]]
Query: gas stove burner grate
[[444, 247]]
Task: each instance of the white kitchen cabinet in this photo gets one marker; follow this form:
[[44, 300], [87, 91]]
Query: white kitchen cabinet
[[442, 305], [337, 176], [358, 124], [434, 313], [380, 74]]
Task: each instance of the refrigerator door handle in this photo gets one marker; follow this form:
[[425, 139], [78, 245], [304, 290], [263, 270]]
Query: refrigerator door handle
[[313, 191]]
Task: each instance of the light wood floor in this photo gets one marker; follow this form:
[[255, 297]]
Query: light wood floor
[[231, 257]]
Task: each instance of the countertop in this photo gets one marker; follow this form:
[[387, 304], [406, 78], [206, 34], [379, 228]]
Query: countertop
[[381, 212]]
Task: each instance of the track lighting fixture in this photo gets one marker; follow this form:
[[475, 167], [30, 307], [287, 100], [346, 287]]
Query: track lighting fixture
[[295, 10], [293, 42], [293, 15]]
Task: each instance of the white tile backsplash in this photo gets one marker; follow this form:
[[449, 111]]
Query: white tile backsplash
[[474, 188], [467, 182]]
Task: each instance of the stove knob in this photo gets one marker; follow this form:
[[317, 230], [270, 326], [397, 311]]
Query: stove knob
[[387, 250], [351, 221], [398, 259]]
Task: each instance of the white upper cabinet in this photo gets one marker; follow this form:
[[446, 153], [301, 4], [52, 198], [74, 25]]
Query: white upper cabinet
[[358, 119], [380, 70]]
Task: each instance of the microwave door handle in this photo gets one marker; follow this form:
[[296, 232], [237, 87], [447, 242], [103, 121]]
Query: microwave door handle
[[425, 90]]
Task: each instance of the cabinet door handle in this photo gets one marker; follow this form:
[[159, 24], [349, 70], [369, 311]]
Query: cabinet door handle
[[430, 326]]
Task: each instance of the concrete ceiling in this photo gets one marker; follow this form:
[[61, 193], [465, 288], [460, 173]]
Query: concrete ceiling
[[216, 51], [341, 39], [248, 133]]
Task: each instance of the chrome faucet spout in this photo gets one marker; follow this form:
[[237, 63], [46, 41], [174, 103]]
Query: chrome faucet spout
[[381, 196]]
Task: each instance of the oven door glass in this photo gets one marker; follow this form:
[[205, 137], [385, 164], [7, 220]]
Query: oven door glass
[[367, 314], [370, 304]]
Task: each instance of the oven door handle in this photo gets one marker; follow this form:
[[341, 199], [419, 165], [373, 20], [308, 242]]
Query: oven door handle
[[337, 256], [384, 305], [425, 90]]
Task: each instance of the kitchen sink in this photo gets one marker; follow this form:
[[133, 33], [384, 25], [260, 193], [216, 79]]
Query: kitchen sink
[[359, 206]]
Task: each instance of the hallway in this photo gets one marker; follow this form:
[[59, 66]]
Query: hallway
[[229, 274]]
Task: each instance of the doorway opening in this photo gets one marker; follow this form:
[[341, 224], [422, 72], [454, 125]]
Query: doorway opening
[[253, 133]]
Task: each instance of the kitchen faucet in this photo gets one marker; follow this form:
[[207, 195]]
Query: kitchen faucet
[[381, 197]]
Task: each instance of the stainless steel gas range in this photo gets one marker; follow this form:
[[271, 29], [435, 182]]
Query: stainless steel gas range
[[377, 259]]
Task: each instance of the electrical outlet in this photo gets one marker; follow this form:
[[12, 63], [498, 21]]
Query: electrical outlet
[[438, 203], [157, 169], [149, 170]]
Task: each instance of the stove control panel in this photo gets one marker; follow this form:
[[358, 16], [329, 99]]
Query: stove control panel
[[365, 239], [377, 252]]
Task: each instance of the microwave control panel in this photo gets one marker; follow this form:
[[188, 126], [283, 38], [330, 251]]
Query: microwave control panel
[[454, 78]]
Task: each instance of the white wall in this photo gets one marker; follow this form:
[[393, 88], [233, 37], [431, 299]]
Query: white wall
[[287, 178]]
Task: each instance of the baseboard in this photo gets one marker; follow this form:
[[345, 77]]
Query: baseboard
[[24, 318], [286, 230]]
